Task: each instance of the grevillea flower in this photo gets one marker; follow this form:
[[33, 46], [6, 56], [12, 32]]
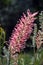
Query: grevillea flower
[[22, 32], [39, 39]]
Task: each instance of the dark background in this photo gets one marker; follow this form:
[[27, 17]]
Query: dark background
[[10, 12]]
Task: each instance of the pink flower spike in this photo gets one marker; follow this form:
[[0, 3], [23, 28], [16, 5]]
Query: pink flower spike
[[21, 32]]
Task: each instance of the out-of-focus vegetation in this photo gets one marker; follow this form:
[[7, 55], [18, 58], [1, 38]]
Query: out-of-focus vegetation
[[5, 2], [2, 40], [29, 59]]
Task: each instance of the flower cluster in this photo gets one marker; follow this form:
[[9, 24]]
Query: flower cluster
[[39, 39], [22, 32]]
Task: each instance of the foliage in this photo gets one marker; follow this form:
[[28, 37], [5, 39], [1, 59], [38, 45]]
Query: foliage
[[2, 40], [6, 2]]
